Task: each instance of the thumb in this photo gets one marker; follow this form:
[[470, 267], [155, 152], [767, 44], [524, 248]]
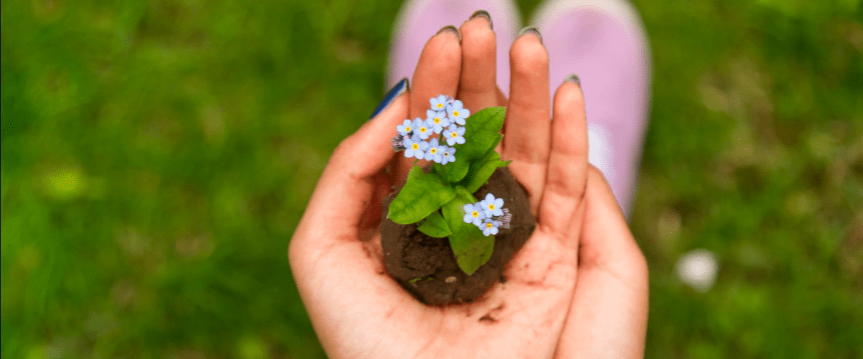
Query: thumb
[[339, 280], [348, 181], [346, 187]]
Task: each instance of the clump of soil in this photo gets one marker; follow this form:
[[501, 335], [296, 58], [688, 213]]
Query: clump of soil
[[412, 256]]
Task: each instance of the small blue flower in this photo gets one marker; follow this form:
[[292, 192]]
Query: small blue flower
[[405, 128], [453, 135], [422, 129], [437, 119], [457, 112], [489, 227], [439, 103], [492, 206], [447, 154], [415, 147], [434, 151], [473, 214]]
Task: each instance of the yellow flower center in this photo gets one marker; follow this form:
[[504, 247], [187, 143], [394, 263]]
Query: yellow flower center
[[488, 225], [440, 105], [437, 120], [491, 207], [455, 113], [454, 135], [415, 146], [433, 150], [408, 129], [423, 129], [475, 214]]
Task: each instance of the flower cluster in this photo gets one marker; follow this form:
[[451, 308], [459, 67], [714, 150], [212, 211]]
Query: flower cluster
[[446, 118], [488, 215]]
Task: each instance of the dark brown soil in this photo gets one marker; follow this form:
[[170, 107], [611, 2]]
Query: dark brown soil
[[410, 254]]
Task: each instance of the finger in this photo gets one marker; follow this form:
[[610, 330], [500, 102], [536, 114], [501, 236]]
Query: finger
[[527, 123], [566, 177], [477, 86], [437, 73], [608, 316]]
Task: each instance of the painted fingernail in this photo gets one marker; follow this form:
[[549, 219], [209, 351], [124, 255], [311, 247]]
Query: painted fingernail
[[391, 95], [574, 79], [532, 30], [484, 14], [451, 28]]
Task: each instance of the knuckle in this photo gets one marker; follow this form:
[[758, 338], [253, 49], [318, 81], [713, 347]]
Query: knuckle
[[344, 148], [526, 152], [560, 180]]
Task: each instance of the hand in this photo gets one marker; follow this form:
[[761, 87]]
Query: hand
[[359, 311]]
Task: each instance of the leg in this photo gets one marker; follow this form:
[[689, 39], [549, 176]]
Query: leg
[[418, 20], [604, 43]]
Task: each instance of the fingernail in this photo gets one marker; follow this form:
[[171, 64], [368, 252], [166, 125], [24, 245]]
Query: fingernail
[[484, 14], [394, 92], [451, 28], [531, 29], [574, 79]]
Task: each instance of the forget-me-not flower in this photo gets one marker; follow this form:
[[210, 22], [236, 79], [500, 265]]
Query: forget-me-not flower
[[437, 119], [447, 154], [489, 227], [415, 147], [405, 128], [438, 103], [457, 113], [473, 213], [434, 151], [421, 128], [454, 134], [492, 206]]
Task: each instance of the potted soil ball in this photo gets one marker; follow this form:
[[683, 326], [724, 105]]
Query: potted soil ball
[[450, 230]]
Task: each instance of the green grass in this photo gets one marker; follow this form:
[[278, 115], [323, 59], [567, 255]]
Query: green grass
[[157, 157]]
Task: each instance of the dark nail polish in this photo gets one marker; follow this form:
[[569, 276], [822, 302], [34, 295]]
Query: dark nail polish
[[394, 92], [574, 79], [451, 28], [484, 14], [531, 29]]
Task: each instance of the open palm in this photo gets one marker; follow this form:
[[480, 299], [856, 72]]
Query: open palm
[[359, 311]]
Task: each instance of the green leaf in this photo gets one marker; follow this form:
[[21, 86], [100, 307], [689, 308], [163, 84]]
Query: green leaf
[[453, 171], [471, 248], [479, 175], [482, 133], [422, 194], [435, 226], [442, 171]]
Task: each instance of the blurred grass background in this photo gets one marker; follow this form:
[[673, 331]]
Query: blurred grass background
[[156, 157]]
